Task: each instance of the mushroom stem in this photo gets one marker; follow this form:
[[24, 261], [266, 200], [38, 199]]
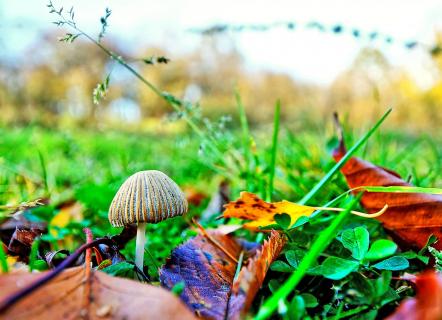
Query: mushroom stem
[[140, 242]]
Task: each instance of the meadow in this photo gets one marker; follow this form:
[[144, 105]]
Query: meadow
[[87, 166], [294, 211]]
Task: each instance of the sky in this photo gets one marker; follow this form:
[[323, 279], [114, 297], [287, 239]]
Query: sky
[[307, 55]]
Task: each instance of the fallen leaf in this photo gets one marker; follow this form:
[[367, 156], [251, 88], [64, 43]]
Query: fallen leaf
[[193, 196], [208, 273], [261, 213], [110, 298], [21, 242], [52, 260], [252, 276], [427, 305], [410, 218], [20, 221]]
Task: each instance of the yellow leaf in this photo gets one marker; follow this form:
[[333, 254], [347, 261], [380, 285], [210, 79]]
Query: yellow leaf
[[69, 212], [261, 213]]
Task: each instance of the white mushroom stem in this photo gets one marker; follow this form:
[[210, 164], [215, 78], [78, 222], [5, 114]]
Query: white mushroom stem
[[141, 241]]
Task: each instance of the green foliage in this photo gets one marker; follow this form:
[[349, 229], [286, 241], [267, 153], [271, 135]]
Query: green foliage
[[356, 240], [122, 269], [283, 220], [351, 263], [335, 268], [381, 249], [393, 264], [437, 257]]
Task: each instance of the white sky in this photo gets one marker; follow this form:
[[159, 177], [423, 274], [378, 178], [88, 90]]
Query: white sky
[[305, 54]]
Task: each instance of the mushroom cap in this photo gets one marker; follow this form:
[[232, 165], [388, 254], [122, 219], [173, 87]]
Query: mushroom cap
[[147, 196]]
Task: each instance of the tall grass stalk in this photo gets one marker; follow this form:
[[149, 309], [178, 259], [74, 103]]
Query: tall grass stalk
[[344, 159], [245, 139], [274, 149]]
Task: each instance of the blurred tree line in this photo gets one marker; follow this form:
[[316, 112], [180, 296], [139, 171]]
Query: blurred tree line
[[54, 87]]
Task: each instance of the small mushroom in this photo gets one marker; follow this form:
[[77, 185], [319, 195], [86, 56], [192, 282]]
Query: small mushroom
[[146, 197]]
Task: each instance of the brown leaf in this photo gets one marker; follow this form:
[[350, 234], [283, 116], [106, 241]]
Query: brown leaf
[[110, 298], [8, 227], [21, 242], [411, 218], [208, 273], [427, 305]]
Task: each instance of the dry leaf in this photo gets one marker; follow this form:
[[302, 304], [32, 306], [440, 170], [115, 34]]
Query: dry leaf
[[252, 276], [261, 213], [208, 273], [427, 305], [193, 196], [21, 242], [110, 298], [411, 218]]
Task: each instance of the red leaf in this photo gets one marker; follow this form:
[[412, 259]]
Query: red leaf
[[208, 273], [427, 305], [411, 217]]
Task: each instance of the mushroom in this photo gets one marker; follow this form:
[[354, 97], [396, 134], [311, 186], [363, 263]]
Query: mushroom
[[146, 197]]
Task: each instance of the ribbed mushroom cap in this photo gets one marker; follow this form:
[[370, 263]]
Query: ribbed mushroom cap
[[147, 196]]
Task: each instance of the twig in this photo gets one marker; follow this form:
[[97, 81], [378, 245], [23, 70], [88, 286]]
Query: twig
[[87, 275], [20, 294]]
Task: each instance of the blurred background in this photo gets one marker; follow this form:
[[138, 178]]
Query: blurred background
[[358, 58]]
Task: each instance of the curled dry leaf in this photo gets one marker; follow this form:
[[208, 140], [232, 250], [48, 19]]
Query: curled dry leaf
[[261, 213], [21, 242], [109, 298], [410, 218], [8, 227], [427, 305], [208, 273]]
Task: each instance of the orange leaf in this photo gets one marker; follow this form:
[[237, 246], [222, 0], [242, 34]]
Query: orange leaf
[[427, 305], [410, 218], [110, 298], [261, 213], [251, 277]]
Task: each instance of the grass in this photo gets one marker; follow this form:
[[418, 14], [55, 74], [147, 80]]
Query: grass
[[89, 166]]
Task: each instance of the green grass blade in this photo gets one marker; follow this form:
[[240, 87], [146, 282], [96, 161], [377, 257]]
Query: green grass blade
[[33, 255], [344, 159], [400, 189], [44, 171], [320, 244], [245, 137], [274, 149], [3, 261]]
